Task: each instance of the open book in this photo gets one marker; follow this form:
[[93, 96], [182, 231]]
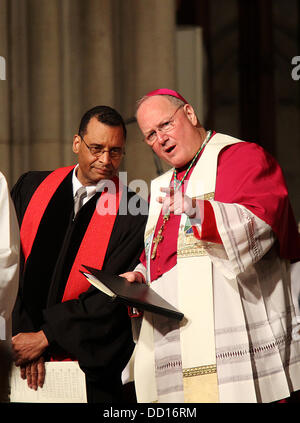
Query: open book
[[133, 294], [64, 383]]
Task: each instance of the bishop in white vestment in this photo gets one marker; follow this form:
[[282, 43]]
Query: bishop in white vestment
[[221, 245]]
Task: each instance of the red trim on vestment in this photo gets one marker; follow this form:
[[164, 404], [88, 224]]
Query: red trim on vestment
[[95, 241], [37, 206], [94, 244]]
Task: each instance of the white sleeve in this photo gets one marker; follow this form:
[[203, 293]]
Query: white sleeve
[[9, 255], [141, 268], [245, 239]]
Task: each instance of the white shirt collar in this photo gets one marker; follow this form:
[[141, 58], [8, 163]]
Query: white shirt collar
[[90, 189]]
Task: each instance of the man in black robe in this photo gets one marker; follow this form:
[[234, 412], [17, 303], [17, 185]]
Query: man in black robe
[[89, 327]]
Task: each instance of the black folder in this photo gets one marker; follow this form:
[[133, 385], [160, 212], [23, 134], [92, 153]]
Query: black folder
[[135, 294]]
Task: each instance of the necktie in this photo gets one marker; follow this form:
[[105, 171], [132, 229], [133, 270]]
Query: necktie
[[78, 200]]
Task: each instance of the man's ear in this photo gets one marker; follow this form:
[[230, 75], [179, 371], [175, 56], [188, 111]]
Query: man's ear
[[76, 143], [190, 114]]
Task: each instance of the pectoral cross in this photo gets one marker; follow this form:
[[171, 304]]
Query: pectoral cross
[[159, 237]]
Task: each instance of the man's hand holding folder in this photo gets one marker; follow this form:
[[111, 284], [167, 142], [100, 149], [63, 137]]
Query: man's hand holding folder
[[134, 277], [131, 289]]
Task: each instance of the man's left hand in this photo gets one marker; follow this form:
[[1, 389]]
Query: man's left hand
[[34, 372], [28, 346]]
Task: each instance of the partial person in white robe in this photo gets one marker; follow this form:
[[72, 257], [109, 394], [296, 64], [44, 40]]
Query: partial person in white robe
[[9, 278], [221, 244]]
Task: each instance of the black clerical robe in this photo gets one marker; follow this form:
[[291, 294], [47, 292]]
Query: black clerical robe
[[92, 329]]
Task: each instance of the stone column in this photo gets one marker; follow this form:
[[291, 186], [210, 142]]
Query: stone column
[[148, 62], [45, 83], [65, 57]]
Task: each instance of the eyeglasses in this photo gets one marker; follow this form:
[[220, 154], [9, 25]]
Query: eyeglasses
[[164, 127], [97, 151]]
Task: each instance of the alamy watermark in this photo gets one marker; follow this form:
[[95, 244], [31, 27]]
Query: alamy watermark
[[296, 69], [136, 204], [2, 68]]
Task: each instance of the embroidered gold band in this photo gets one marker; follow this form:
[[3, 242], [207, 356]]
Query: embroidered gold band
[[192, 252], [189, 246], [199, 371], [207, 196]]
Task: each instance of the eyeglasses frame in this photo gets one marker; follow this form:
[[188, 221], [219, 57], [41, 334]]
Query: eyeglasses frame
[[164, 131], [102, 152]]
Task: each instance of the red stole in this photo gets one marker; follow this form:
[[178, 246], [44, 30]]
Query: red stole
[[95, 241]]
